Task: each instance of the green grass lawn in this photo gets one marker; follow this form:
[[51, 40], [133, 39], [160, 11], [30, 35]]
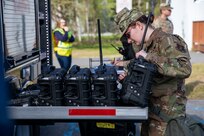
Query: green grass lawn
[[195, 83], [108, 52]]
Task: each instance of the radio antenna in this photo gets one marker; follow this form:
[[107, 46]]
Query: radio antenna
[[99, 40], [145, 32]]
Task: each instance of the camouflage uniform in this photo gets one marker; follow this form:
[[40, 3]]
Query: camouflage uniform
[[165, 25], [170, 54]]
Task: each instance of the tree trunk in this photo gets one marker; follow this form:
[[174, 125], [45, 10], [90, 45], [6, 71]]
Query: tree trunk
[[78, 24], [78, 28], [87, 17]]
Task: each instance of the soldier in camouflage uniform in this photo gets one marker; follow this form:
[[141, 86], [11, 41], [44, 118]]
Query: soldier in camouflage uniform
[[162, 21], [170, 54]]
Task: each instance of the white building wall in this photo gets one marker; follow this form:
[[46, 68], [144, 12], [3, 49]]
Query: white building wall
[[183, 15]]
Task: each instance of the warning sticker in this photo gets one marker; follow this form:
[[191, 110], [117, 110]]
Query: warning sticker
[[105, 125]]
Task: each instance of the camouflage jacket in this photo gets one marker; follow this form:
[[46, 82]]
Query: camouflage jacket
[[170, 54], [165, 25]]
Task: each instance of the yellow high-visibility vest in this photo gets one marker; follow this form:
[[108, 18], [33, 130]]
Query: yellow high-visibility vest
[[63, 48]]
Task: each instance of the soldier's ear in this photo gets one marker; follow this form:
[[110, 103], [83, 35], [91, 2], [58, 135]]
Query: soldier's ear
[[139, 25]]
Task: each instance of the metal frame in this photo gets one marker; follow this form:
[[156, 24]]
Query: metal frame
[[67, 113], [2, 33], [45, 43]]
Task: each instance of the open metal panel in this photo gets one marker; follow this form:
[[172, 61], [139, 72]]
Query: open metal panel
[[20, 32], [26, 32]]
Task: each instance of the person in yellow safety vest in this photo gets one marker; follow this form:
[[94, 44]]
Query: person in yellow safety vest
[[62, 42]]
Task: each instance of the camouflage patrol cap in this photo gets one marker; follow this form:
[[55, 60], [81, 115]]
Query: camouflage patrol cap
[[165, 6], [125, 17]]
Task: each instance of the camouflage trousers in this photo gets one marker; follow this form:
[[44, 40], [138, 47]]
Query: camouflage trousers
[[153, 127]]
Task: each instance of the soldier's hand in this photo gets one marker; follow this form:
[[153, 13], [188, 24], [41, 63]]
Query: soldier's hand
[[117, 62], [141, 53], [122, 76]]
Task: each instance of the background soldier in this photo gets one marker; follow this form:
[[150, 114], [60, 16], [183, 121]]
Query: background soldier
[[170, 54], [162, 21]]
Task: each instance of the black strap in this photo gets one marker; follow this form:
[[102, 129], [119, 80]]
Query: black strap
[[145, 31]]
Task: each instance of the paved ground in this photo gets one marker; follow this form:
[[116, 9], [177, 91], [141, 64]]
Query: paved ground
[[195, 108], [196, 57]]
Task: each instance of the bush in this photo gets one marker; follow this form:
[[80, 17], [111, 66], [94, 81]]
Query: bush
[[93, 41]]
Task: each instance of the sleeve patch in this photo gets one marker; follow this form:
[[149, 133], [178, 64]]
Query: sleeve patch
[[181, 48]]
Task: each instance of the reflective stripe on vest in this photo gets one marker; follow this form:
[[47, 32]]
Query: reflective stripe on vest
[[63, 48]]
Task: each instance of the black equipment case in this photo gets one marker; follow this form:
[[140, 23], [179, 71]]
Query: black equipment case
[[105, 86], [105, 93], [51, 88], [137, 84], [77, 87]]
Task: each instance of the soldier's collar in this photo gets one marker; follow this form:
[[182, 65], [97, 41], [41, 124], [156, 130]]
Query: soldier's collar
[[154, 35]]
